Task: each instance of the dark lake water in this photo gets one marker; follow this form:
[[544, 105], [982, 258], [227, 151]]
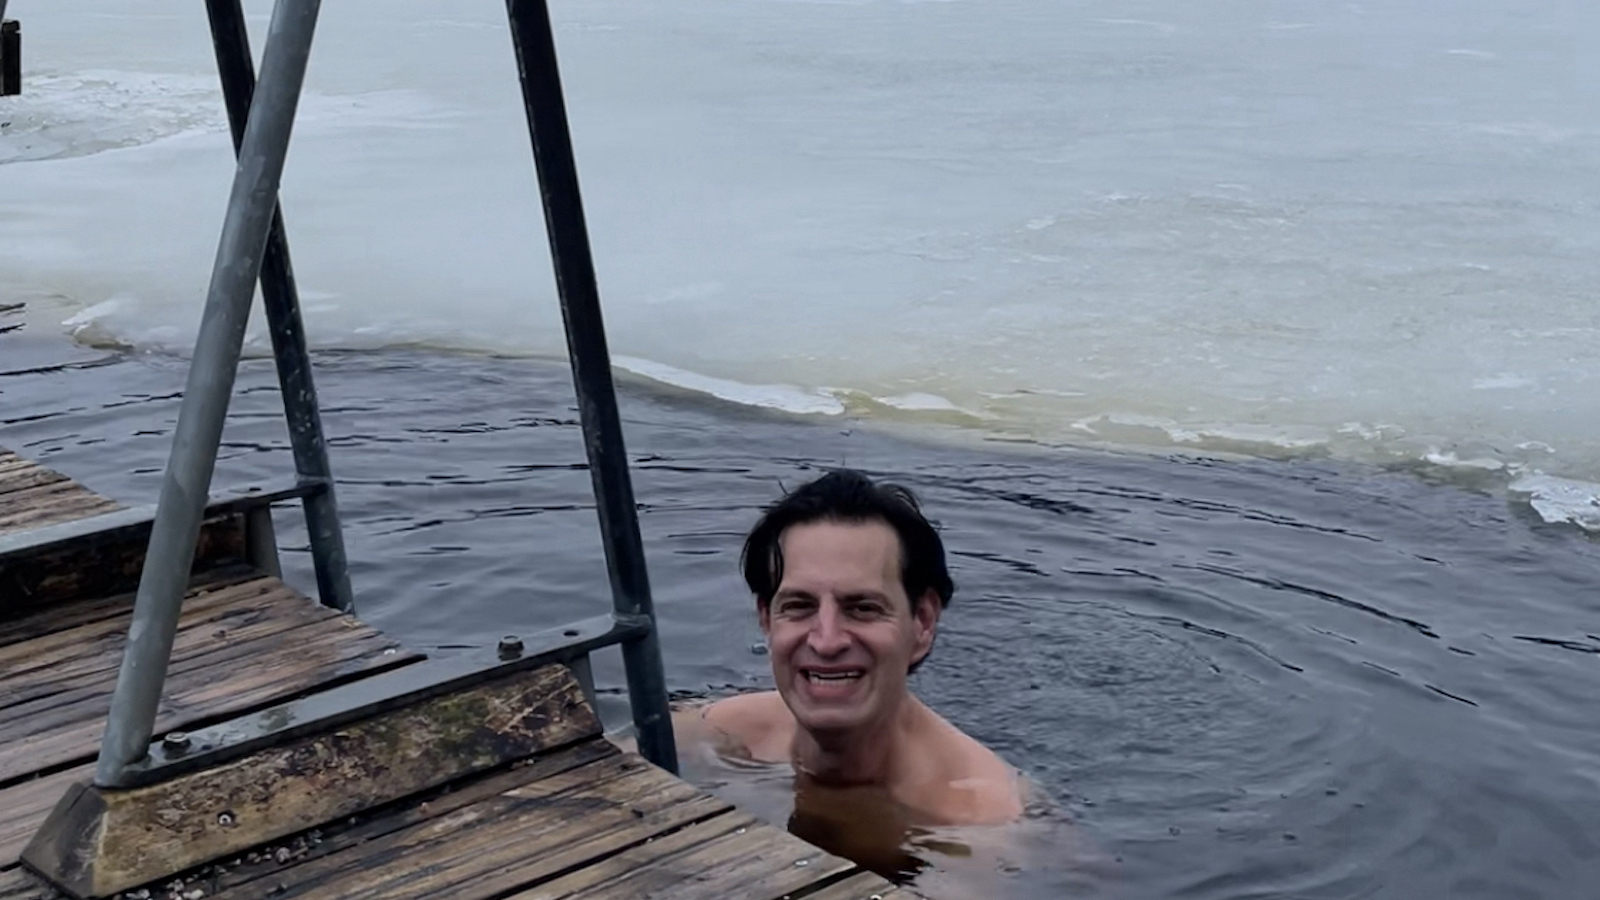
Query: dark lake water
[[1237, 678]]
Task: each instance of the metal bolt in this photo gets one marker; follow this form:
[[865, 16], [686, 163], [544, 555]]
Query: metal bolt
[[175, 743], [510, 647]]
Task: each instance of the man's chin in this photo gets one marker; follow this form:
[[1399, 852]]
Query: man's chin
[[822, 721]]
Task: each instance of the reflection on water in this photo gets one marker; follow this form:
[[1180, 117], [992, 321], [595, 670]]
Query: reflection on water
[[865, 825]]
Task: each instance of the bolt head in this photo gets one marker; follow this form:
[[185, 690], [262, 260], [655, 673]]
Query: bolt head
[[175, 742], [510, 647]]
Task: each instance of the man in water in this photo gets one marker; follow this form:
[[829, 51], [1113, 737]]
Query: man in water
[[849, 581]]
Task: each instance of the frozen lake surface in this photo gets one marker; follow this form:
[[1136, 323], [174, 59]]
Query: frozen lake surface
[[1365, 231]]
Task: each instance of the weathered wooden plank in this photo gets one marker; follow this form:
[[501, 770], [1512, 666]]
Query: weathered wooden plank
[[237, 677], [44, 622], [41, 497], [211, 627], [73, 649], [20, 479], [27, 803], [17, 477], [759, 862], [55, 504], [468, 844], [42, 701], [504, 854], [538, 841], [261, 679], [500, 843], [12, 464], [35, 690], [279, 641], [98, 842], [44, 498], [602, 877], [232, 685], [360, 831]]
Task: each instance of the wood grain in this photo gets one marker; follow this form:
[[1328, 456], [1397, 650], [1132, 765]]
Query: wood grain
[[41, 622], [48, 505], [30, 477], [339, 838], [232, 685], [501, 842]]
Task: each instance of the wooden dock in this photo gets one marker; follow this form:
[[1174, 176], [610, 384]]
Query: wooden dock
[[578, 818]]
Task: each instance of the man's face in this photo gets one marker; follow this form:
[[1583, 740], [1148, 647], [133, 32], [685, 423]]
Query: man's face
[[841, 631]]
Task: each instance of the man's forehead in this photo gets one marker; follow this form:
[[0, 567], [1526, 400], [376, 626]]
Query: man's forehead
[[854, 531], [829, 545]]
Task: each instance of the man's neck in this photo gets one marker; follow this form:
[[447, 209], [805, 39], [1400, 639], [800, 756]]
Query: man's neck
[[864, 757]]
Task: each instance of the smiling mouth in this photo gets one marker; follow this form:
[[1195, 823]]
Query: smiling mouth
[[816, 677]]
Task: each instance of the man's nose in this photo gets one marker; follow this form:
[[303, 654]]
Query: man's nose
[[828, 635]]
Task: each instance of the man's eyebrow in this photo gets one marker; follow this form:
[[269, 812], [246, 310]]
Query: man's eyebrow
[[795, 592], [866, 595]]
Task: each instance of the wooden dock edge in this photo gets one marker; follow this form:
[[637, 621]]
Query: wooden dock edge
[[99, 841], [108, 565]]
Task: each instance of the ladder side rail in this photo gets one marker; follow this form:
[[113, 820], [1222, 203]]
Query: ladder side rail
[[534, 43], [281, 302], [207, 391]]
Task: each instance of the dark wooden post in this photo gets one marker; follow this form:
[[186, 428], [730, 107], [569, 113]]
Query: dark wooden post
[[10, 57]]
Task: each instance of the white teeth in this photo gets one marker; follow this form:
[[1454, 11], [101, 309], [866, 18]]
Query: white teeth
[[835, 676]]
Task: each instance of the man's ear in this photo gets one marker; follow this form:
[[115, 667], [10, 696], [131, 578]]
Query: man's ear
[[764, 614], [925, 619]]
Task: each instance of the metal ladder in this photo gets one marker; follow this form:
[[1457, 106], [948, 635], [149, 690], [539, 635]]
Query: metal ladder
[[252, 248]]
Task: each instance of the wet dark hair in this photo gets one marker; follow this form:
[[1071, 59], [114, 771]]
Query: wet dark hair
[[845, 495]]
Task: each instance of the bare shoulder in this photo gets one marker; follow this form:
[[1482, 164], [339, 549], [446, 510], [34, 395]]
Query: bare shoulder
[[980, 787], [757, 725]]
